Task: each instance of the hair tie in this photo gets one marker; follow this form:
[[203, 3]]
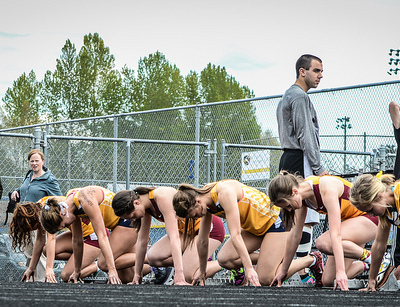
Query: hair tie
[[46, 206], [379, 175], [64, 208]]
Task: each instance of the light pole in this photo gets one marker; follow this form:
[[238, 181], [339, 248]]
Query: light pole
[[344, 123]]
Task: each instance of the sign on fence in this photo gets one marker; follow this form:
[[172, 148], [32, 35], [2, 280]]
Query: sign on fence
[[255, 165]]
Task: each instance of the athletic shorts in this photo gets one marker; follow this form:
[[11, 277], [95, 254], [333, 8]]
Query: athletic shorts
[[125, 223], [374, 219], [278, 225], [93, 240], [217, 229]]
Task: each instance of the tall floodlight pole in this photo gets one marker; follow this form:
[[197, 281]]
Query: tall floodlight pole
[[344, 123]]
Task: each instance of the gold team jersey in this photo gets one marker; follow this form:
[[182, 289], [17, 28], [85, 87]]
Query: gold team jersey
[[347, 210], [256, 216], [393, 214], [87, 228], [110, 219]]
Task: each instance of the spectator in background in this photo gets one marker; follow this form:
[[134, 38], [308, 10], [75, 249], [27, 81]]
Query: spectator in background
[[394, 110], [38, 183], [299, 137]]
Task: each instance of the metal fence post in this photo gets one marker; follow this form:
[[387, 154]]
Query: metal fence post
[[382, 157], [196, 148], [46, 132], [128, 168], [115, 155], [222, 159], [37, 135], [45, 151], [208, 155], [215, 161]]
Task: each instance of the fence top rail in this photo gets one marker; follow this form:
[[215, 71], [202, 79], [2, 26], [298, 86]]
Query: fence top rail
[[207, 104], [251, 146], [279, 148], [18, 135], [124, 140]]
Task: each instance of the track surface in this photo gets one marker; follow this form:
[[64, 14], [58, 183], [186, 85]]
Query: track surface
[[43, 294]]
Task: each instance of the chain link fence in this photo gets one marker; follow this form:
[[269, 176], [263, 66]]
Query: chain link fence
[[202, 143]]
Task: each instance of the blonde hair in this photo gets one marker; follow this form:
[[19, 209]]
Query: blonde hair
[[280, 190], [366, 189]]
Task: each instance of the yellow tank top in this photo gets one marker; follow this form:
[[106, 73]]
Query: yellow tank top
[[109, 217], [256, 216]]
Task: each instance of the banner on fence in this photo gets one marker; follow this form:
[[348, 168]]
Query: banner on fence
[[255, 165]]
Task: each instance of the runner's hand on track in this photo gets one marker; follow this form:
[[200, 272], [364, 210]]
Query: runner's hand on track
[[252, 277], [28, 274], [75, 277], [113, 277], [341, 282], [278, 279], [199, 278], [50, 276], [371, 286], [137, 280]]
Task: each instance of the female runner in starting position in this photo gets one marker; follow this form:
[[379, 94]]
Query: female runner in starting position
[[349, 229], [252, 225], [141, 205], [26, 218], [93, 203], [378, 197]]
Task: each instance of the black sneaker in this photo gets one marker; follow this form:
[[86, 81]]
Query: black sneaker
[[162, 275]]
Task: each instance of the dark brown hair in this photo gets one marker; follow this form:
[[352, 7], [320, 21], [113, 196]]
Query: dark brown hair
[[25, 219], [305, 62], [122, 202]]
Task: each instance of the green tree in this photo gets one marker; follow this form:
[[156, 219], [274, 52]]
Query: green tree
[[98, 80], [159, 84], [22, 102], [232, 122], [84, 84], [193, 88], [60, 88]]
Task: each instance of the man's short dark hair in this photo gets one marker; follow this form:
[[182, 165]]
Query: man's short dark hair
[[305, 62]]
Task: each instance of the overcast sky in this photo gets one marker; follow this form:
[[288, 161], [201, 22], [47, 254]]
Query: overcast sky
[[257, 41]]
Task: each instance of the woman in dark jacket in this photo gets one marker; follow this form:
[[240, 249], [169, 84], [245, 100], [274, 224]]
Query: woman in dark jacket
[[38, 183]]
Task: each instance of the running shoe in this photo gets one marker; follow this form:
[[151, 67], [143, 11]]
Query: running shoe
[[384, 270], [317, 268], [239, 276], [170, 276], [162, 275], [309, 279]]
